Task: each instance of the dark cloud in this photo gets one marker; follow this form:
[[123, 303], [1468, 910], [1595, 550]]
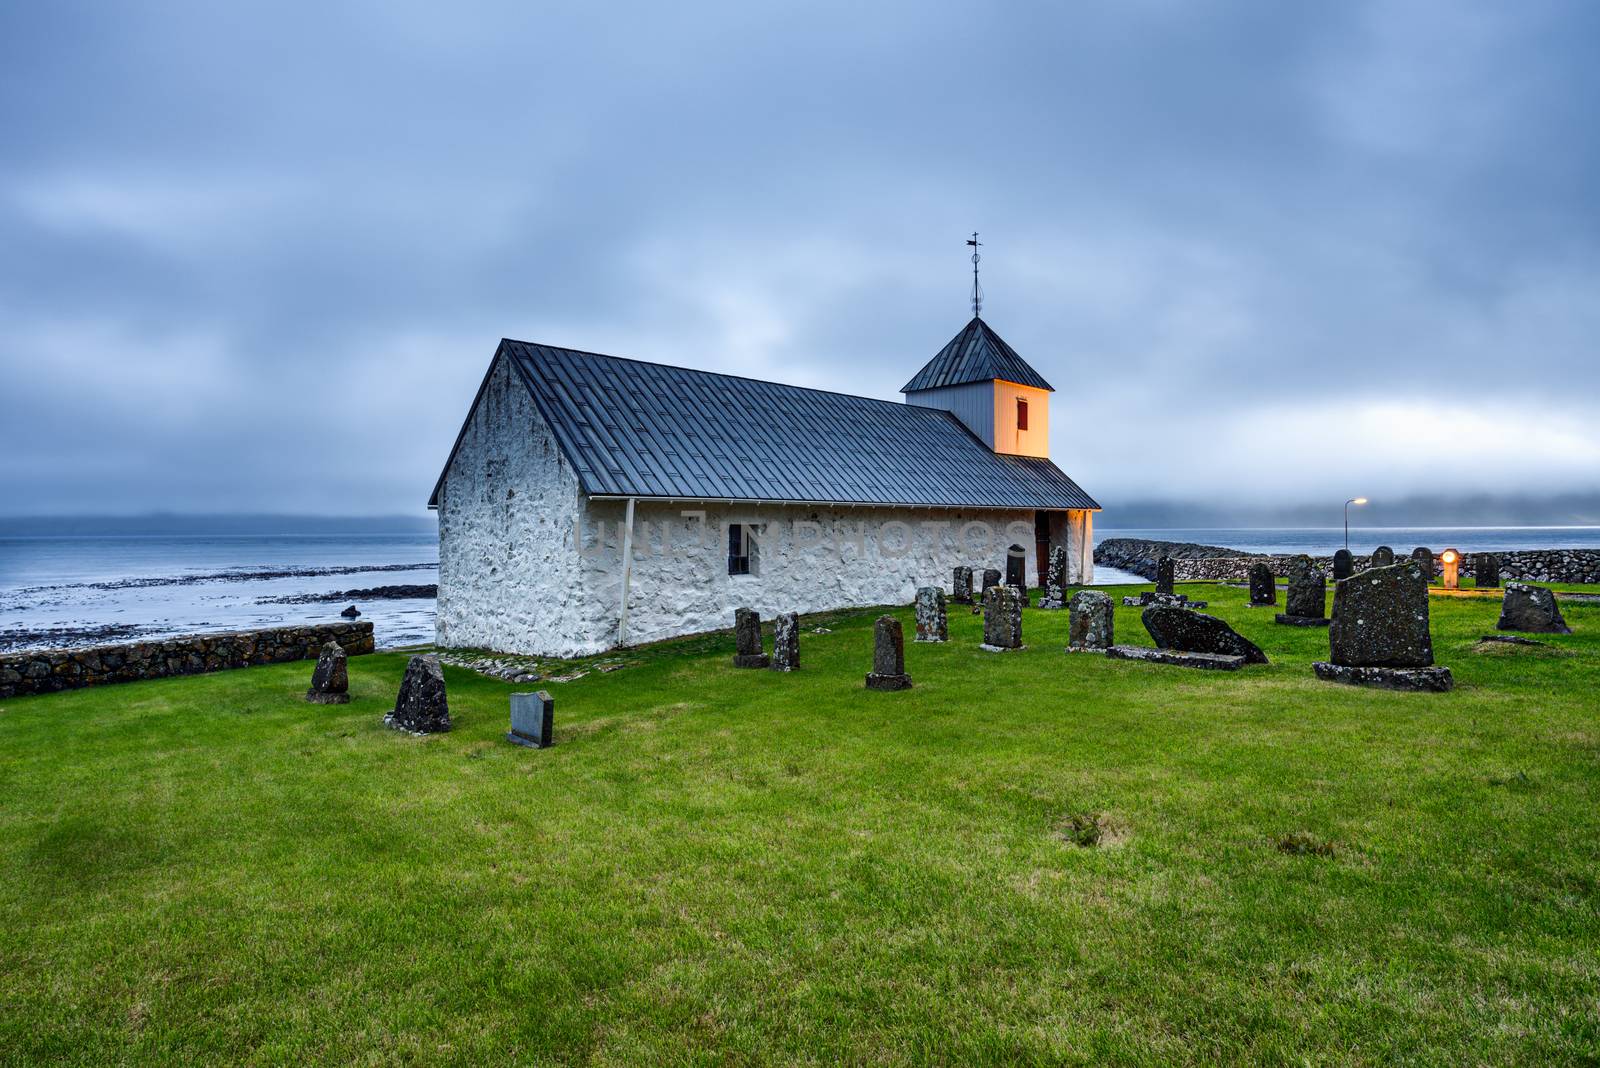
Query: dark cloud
[[257, 257]]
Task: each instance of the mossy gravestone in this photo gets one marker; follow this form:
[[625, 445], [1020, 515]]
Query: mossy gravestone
[[1165, 570], [1424, 558], [961, 586], [932, 623], [747, 639], [1263, 585], [1382, 556], [1379, 635], [1344, 565], [1532, 609], [1308, 595], [991, 579], [786, 642], [1090, 621], [1002, 619], [330, 682], [421, 707], [1055, 583], [888, 656], [1189, 631]]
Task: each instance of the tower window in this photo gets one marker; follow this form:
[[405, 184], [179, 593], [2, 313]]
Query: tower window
[[1022, 414]]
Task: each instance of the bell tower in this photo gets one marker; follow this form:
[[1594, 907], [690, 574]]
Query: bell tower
[[984, 383]]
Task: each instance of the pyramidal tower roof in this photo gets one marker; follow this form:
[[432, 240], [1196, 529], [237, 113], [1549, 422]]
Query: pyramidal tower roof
[[976, 354]]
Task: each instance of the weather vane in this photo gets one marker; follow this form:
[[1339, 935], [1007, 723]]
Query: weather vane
[[977, 290]]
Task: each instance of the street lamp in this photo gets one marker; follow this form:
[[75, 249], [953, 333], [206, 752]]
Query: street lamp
[[1347, 504]]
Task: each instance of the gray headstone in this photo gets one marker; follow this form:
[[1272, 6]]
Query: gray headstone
[[1382, 556], [961, 586], [1055, 582], [1164, 572], [330, 681], [1486, 571], [1424, 558], [1189, 631], [1380, 619], [1263, 587], [747, 639], [1344, 565], [1002, 618], [889, 656], [1532, 609], [533, 719], [1090, 621], [1308, 590], [421, 707], [991, 578], [786, 642], [932, 623]]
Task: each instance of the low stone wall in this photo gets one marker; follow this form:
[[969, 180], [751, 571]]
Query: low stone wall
[[1229, 565], [49, 670]]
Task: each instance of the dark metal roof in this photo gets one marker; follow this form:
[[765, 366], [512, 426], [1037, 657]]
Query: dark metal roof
[[648, 430], [977, 354]]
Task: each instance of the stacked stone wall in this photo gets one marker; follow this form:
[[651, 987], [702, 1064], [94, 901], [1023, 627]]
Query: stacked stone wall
[[50, 670], [1214, 563]]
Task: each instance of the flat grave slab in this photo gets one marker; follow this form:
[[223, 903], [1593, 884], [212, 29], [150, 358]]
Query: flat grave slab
[[1420, 679], [1205, 661]]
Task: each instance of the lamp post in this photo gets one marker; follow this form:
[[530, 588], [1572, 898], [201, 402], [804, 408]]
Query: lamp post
[[1347, 504], [1451, 560]]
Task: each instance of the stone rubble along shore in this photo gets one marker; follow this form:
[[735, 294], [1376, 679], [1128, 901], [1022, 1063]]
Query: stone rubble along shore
[[1202, 563]]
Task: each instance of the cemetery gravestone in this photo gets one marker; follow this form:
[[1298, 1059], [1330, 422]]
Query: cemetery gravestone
[[1532, 609], [1002, 619], [1263, 585], [1090, 621], [1188, 631], [1382, 556], [1164, 573], [991, 578], [533, 717], [1344, 565], [1017, 570], [421, 707], [747, 636], [1308, 595], [888, 656], [1424, 558], [786, 642], [932, 623], [330, 682], [1055, 583], [1379, 635], [1486, 571], [961, 586]]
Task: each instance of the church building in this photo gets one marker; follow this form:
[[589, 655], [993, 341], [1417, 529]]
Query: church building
[[593, 501]]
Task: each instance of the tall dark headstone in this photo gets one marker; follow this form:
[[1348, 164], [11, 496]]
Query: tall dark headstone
[[533, 720], [421, 707], [1532, 609], [1307, 604], [1164, 573], [1382, 556], [932, 623], [1263, 586], [1055, 581], [1424, 558], [1002, 618], [961, 586], [330, 682], [786, 642], [1017, 570], [888, 656], [1380, 635], [1344, 565], [1486, 571], [1090, 621], [747, 637]]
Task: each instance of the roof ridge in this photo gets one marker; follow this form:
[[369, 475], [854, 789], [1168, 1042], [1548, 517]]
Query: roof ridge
[[896, 404]]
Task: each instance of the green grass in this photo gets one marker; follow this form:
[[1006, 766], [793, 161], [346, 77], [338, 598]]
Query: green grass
[[1032, 857]]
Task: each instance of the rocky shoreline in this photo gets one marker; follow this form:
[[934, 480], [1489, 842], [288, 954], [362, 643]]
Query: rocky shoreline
[[427, 591]]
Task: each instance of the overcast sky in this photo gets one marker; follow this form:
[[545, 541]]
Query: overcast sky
[[258, 257]]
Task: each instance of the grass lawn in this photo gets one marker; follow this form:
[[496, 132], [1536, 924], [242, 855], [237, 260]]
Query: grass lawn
[[718, 866]]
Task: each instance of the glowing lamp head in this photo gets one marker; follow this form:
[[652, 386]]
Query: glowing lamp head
[[1358, 500], [1449, 556]]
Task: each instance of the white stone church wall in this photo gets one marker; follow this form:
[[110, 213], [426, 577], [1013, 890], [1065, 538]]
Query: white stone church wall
[[509, 570], [859, 560]]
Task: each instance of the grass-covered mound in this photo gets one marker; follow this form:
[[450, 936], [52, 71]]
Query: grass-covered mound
[[1030, 857]]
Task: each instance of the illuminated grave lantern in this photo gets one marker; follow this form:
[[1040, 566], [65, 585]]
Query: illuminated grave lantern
[[1450, 560]]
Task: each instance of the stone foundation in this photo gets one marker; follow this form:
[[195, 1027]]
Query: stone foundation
[[51, 670]]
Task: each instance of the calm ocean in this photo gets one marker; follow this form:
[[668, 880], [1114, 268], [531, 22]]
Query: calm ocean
[[74, 590]]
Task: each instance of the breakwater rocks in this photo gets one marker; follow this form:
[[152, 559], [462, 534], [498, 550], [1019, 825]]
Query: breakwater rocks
[[1199, 563], [50, 670], [1139, 555]]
